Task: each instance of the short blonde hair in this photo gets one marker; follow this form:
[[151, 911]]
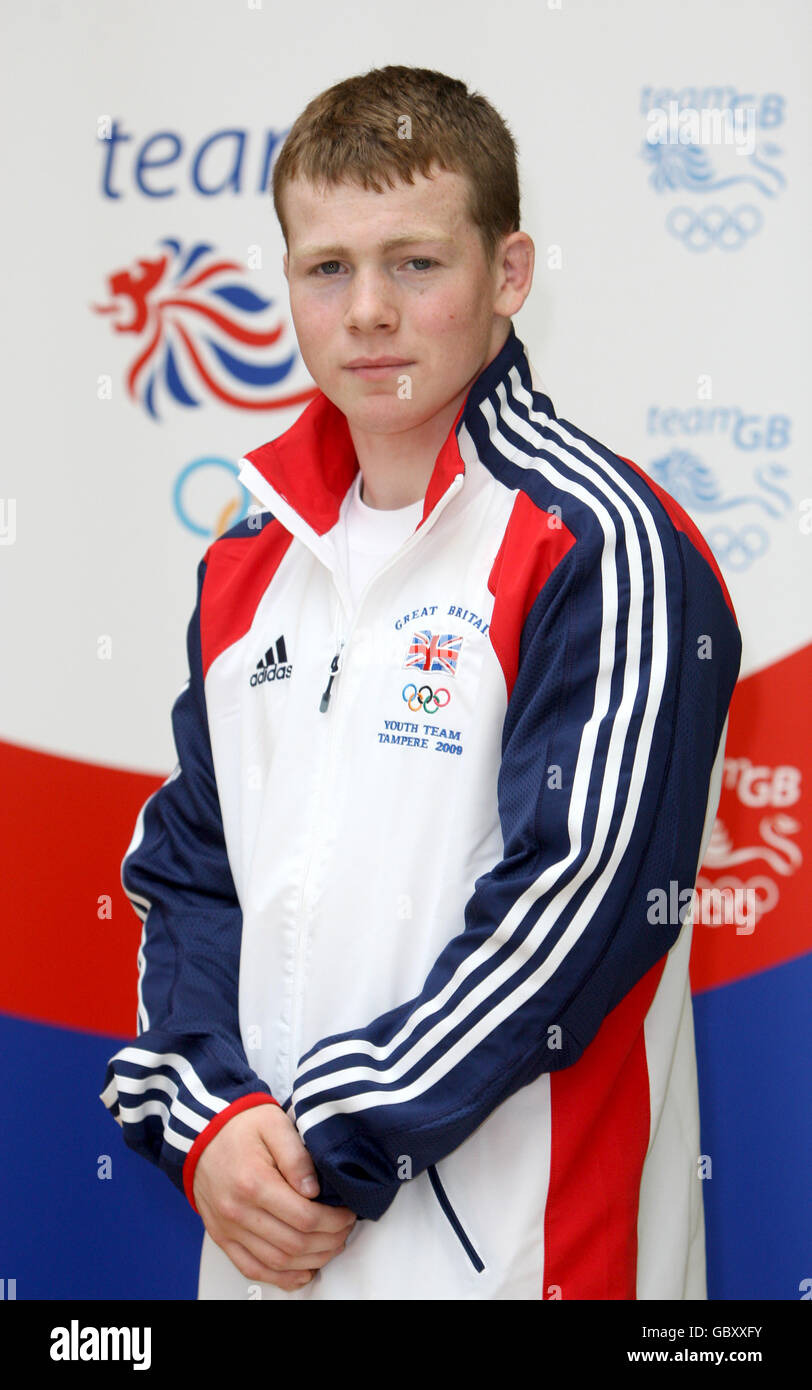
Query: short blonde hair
[[354, 132]]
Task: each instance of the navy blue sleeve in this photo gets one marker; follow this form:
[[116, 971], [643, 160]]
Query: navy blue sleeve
[[627, 662], [187, 1063]]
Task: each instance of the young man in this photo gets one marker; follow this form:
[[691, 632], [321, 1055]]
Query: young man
[[455, 715]]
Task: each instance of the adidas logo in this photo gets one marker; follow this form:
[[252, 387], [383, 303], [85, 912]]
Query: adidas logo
[[274, 665]]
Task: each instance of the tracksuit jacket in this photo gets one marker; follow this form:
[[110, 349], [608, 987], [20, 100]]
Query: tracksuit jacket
[[401, 877]]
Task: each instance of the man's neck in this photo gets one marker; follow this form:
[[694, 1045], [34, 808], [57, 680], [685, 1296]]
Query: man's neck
[[396, 468]]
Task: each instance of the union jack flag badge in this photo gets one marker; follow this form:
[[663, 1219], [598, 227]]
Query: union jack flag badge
[[433, 651]]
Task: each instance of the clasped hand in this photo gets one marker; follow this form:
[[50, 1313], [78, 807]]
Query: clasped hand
[[254, 1187]]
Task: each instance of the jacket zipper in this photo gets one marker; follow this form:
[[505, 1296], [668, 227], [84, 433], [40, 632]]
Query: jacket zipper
[[453, 1220], [324, 704], [334, 665], [301, 932]]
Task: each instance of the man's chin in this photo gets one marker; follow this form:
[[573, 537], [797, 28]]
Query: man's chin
[[378, 409]]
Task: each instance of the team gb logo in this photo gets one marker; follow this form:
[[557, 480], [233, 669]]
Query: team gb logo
[[200, 331]]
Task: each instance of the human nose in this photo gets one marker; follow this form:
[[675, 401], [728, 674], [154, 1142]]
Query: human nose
[[371, 301]]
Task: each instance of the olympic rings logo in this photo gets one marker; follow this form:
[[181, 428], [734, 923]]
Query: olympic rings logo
[[424, 697], [714, 226], [738, 549]]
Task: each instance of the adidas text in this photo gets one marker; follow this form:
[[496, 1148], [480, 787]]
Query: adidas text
[[271, 673]]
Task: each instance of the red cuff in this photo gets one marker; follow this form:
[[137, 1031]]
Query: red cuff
[[213, 1127]]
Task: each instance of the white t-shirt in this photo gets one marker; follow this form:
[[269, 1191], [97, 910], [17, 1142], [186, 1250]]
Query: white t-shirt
[[369, 535]]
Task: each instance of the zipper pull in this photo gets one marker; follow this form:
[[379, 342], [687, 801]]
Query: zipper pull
[[334, 668]]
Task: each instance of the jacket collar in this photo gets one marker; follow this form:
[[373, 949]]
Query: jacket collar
[[309, 468]]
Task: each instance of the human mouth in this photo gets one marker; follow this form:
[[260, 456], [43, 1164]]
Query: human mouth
[[373, 367]]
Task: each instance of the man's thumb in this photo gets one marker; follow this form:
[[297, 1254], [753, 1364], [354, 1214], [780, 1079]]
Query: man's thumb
[[294, 1162]]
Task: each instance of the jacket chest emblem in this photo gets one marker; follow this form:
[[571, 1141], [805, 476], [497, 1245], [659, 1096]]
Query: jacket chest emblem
[[431, 659], [430, 654]]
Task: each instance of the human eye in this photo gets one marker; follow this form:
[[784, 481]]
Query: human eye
[[429, 264], [317, 268]]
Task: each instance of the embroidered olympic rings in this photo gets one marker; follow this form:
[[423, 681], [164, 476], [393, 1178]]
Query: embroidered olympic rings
[[424, 697]]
